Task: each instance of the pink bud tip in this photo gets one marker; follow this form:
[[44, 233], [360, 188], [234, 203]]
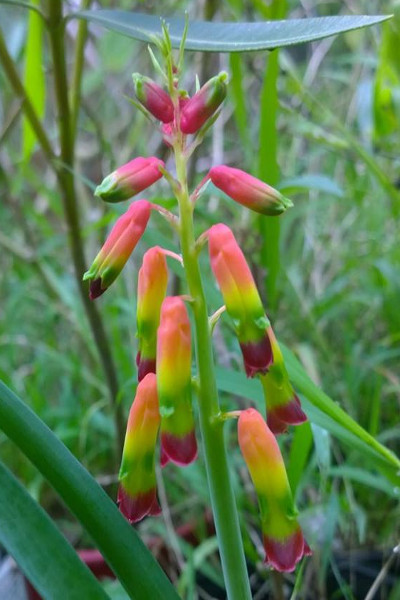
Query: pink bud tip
[[203, 104], [283, 555], [130, 179], [154, 98]]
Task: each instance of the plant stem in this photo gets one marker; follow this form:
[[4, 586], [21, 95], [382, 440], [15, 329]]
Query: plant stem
[[221, 492], [66, 183]]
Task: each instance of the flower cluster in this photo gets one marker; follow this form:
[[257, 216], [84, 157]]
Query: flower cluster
[[162, 408]]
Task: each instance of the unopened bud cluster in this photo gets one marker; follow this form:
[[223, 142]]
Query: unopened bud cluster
[[162, 408]]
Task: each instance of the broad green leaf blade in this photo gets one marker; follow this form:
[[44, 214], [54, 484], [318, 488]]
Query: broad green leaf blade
[[34, 79], [118, 542], [43, 554], [228, 37]]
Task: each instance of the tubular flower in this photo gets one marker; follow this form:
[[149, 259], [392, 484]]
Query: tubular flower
[[154, 98], [152, 287], [241, 298], [178, 441], [249, 191], [130, 179], [137, 491], [283, 404], [283, 539], [118, 247], [203, 104]]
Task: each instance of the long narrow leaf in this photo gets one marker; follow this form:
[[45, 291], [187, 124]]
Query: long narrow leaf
[[228, 37], [118, 542], [43, 554], [34, 79]]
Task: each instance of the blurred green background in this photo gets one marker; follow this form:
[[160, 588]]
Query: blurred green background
[[337, 300]]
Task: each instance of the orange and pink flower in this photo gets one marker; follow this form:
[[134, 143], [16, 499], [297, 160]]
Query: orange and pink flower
[[152, 287], [137, 494], [283, 539], [118, 247], [174, 359], [241, 298]]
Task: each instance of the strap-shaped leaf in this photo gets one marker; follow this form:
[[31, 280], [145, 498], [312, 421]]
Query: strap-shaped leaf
[[43, 554], [228, 37], [118, 542]]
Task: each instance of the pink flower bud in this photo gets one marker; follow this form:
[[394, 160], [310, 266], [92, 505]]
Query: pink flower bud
[[130, 179], [249, 191], [118, 247], [154, 98], [203, 104]]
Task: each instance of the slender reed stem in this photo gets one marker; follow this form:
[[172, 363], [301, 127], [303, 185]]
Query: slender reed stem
[[221, 492], [66, 183]]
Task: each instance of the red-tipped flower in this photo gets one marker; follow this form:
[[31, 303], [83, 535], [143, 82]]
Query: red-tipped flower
[[283, 404], [174, 360], [249, 191], [154, 98], [203, 104], [152, 287], [241, 298], [130, 179], [283, 539], [118, 247], [137, 491]]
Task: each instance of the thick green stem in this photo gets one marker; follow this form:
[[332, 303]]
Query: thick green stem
[[66, 182], [221, 492]]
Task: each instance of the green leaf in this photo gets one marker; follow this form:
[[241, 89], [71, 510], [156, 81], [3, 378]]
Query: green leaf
[[318, 182], [228, 37], [371, 480], [118, 542], [34, 79], [43, 554]]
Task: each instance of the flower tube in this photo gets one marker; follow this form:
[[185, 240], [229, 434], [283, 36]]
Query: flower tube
[[283, 539], [118, 247], [249, 191], [137, 491], [283, 404], [152, 287], [241, 298], [130, 179], [178, 441], [154, 98], [200, 107]]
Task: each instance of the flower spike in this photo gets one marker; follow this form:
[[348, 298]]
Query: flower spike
[[241, 298], [118, 247], [249, 191], [152, 287], [130, 179], [154, 98], [283, 539], [137, 491], [203, 104], [178, 441], [283, 404]]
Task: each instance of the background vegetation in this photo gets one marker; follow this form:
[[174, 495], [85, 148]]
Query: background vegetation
[[335, 302]]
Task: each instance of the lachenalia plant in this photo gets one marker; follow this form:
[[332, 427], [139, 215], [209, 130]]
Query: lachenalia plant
[[163, 406]]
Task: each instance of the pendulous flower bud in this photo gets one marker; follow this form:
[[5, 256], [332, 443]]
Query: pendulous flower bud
[[118, 247], [249, 191], [241, 298], [198, 109], [137, 495], [174, 347], [283, 404], [154, 98], [283, 539], [152, 287], [130, 179]]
